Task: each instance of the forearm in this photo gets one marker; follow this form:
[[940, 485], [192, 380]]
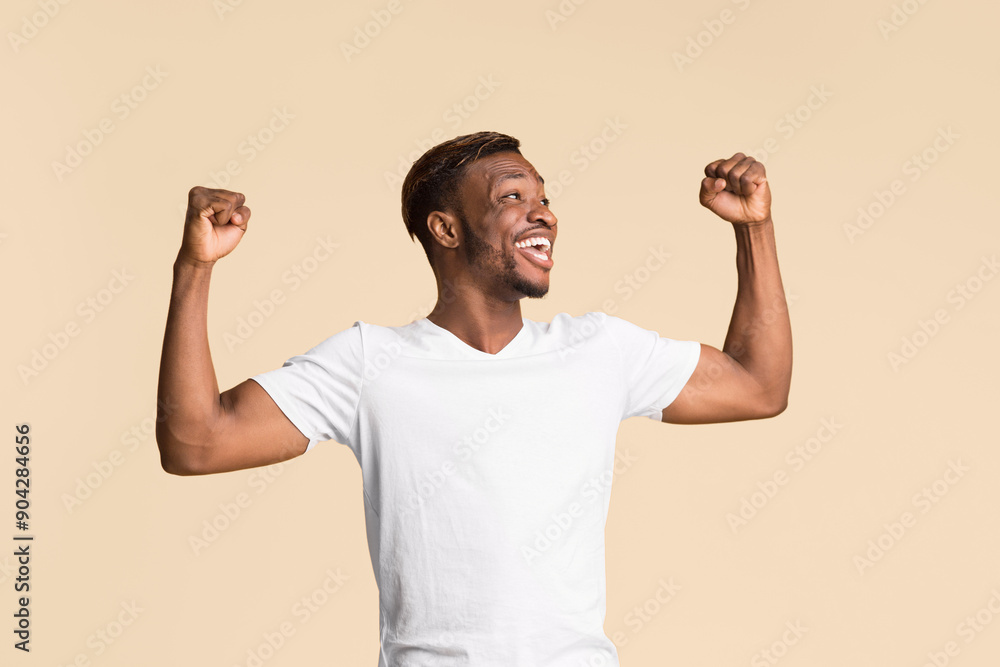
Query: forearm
[[760, 333], [188, 392]]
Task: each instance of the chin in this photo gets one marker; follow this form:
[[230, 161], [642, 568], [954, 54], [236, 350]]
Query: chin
[[527, 286], [537, 291]]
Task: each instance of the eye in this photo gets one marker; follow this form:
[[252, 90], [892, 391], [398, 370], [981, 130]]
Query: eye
[[545, 201]]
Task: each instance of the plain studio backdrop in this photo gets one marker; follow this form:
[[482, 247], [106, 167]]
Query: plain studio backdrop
[[858, 527]]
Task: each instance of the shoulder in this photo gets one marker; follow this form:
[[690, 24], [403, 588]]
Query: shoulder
[[566, 331], [363, 344], [619, 327], [592, 322], [564, 324], [344, 342]]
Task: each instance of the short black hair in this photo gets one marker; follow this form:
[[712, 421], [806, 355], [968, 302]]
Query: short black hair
[[433, 181]]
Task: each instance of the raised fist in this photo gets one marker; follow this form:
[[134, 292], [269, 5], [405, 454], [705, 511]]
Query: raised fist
[[736, 190], [216, 221]]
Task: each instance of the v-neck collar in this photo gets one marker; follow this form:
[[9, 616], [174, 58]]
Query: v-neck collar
[[472, 352]]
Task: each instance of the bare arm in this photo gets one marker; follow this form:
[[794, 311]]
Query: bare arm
[[750, 377], [199, 430]]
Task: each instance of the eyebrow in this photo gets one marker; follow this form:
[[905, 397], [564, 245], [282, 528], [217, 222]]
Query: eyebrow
[[514, 175]]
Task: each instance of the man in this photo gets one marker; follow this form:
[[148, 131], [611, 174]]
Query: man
[[486, 440]]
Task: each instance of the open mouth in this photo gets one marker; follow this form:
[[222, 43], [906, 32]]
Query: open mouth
[[538, 250]]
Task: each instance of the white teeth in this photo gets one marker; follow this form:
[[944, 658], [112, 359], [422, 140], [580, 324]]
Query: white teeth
[[533, 241]]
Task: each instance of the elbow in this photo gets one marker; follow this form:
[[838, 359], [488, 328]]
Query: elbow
[[773, 405], [175, 466], [171, 462], [767, 401], [777, 408], [175, 456], [773, 390]]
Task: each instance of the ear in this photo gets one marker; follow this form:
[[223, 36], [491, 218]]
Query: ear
[[444, 228]]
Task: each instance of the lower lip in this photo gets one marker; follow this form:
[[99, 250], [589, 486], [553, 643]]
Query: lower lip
[[544, 263]]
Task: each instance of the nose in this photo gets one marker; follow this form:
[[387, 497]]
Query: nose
[[541, 213]]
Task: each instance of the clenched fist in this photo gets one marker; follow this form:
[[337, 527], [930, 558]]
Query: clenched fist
[[736, 190], [216, 221]]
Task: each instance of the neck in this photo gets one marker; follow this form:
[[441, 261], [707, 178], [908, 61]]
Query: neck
[[477, 318]]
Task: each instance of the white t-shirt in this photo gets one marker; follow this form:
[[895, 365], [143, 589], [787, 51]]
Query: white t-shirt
[[486, 477]]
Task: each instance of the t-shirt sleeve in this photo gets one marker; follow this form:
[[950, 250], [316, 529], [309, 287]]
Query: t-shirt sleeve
[[319, 391], [654, 368]]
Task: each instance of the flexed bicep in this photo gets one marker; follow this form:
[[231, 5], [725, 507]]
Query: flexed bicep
[[720, 390]]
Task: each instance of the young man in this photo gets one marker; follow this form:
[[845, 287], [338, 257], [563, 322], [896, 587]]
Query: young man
[[486, 440]]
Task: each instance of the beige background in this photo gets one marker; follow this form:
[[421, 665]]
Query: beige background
[[898, 428]]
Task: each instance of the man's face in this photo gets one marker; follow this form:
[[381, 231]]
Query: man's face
[[504, 204]]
